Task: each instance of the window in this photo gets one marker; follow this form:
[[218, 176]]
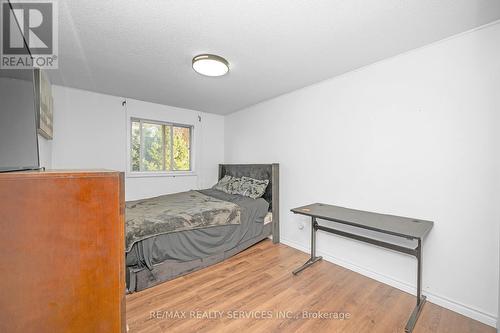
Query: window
[[157, 146]]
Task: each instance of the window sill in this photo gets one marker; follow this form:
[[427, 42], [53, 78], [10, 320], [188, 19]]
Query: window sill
[[144, 174]]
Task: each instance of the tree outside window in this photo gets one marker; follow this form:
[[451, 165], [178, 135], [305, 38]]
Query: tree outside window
[[157, 146]]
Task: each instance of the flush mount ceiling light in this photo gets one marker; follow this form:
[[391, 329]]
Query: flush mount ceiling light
[[210, 65]]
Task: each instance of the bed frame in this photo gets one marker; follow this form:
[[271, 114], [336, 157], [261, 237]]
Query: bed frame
[[270, 172], [143, 278]]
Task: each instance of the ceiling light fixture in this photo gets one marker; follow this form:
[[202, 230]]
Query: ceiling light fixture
[[210, 65]]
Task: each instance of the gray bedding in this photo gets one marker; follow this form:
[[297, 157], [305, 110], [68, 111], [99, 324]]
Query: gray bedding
[[176, 212], [187, 245]]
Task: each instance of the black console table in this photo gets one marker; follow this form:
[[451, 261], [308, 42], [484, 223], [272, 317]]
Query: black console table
[[408, 228]]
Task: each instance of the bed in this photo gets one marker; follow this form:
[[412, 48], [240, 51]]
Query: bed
[[211, 226]]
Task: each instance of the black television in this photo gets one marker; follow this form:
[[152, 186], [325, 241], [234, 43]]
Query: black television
[[18, 132]]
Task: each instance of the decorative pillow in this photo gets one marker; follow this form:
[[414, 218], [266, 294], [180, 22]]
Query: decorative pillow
[[223, 184], [252, 188], [234, 186]]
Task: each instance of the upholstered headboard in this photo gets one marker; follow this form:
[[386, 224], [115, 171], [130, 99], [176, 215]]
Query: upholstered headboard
[[262, 172]]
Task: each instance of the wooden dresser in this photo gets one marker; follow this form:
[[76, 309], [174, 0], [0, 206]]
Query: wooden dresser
[[62, 252]]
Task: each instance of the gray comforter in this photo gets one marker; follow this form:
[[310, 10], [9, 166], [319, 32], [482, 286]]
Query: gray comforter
[[203, 242], [176, 212]]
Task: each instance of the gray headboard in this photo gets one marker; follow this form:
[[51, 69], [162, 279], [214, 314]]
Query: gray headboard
[[262, 172]]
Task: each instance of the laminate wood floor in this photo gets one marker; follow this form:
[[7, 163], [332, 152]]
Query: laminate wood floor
[[255, 291]]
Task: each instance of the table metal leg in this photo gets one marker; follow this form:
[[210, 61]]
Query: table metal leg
[[313, 258], [420, 298]]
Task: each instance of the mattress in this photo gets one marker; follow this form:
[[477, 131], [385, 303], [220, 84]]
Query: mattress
[[176, 212], [188, 245]]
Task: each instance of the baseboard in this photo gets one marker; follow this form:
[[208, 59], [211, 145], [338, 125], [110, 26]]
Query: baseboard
[[445, 302]]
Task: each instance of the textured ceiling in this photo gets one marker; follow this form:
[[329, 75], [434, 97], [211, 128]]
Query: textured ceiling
[[143, 49]]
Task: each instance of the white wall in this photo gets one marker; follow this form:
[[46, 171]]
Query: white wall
[[495, 125], [45, 152], [91, 131], [411, 136]]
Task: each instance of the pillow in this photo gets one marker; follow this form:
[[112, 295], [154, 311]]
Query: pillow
[[245, 186], [234, 186], [252, 188], [223, 184]]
